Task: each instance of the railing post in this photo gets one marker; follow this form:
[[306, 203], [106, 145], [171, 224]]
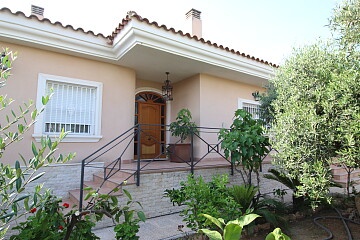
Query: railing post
[[192, 151], [138, 155], [82, 185]]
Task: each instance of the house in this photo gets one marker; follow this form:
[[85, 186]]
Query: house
[[104, 84]]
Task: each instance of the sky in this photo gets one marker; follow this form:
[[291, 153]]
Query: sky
[[266, 29]]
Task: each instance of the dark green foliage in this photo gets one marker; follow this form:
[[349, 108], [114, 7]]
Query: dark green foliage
[[204, 197], [317, 107], [291, 183], [266, 108], [245, 143], [221, 201], [246, 196], [48, 222], [183, 127]]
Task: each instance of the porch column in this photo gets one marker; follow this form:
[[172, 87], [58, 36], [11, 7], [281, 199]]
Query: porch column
[[168, 117]]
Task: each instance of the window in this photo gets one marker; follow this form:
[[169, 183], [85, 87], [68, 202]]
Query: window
[[252, 107], [75, 106]]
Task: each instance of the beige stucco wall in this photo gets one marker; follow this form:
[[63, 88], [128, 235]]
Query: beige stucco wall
[[219, 99], [186, 95], [117, 97], [218, 103], [143, 84]]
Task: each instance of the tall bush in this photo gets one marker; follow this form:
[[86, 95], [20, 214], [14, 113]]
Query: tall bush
[[317, 116], [245, 143]]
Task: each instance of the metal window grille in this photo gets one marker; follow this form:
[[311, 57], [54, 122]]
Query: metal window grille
[[72, 108], [253, 109]]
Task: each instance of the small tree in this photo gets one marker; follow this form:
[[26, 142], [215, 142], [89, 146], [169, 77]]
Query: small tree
[[245, 143], [16, 198]]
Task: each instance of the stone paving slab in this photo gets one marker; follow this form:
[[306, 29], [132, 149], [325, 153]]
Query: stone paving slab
[[159, 228]]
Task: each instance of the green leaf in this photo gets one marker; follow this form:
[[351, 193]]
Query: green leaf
[[7, 215], [114, 200], [34, 150], [17, 165], [36, 177], [247, 219], [213, 235], [34, 114], [277, 234], [26, 204], [21, 198], [18, 172], [127, 194], [141, 216], [18, 183], [45, 99], [232, 231], [213, 220], [21, 128]]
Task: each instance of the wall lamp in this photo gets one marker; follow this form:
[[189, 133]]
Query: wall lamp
[[256, 95], [167, 89]]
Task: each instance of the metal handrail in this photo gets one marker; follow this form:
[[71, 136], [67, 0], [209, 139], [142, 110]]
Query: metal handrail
[[111, 168], [86, 161]]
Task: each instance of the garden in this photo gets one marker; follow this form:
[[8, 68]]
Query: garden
[[310, 114]]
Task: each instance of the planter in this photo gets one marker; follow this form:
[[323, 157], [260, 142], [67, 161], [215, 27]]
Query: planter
[[179, 152]]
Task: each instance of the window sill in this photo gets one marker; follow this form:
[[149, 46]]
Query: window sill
[[70, 138]]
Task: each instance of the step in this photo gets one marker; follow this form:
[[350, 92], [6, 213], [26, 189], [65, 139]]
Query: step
[[72, 205], [74, 196], [340, 170], [343, 183], [344, 176], [102, 189], [115, 180]]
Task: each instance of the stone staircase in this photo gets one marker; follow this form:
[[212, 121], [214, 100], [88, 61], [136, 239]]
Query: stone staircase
[[106, 188], [340, 175]]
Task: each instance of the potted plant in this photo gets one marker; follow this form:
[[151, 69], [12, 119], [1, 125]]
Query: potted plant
[[183, 127]]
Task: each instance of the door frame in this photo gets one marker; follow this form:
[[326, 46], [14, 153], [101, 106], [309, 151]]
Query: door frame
[[167, 109]]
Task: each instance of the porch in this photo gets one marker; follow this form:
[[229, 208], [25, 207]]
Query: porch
[[109, 168]]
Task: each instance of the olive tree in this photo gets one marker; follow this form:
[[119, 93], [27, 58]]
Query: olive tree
[[317, 106], [16, 197]]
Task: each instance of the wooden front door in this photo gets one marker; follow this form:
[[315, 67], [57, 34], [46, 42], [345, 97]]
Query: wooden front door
[[150, 113]]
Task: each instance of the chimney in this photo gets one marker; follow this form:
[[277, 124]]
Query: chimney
[[194, 22], [37, 11]]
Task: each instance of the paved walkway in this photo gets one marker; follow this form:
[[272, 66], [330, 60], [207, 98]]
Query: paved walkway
[[164, 228]]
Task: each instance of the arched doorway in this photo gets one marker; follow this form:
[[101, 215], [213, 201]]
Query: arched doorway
[[150, 113]]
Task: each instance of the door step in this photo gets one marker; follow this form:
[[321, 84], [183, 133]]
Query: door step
[[340, 176], [103, 186]]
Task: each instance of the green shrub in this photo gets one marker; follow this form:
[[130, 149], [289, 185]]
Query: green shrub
[[204, 197], [245, 143]]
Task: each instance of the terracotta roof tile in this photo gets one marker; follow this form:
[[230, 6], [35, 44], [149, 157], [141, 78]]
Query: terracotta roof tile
[[128, 18], [53, 23], [139, 18]]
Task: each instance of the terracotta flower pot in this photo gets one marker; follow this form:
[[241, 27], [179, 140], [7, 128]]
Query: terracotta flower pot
[[179, 152]]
